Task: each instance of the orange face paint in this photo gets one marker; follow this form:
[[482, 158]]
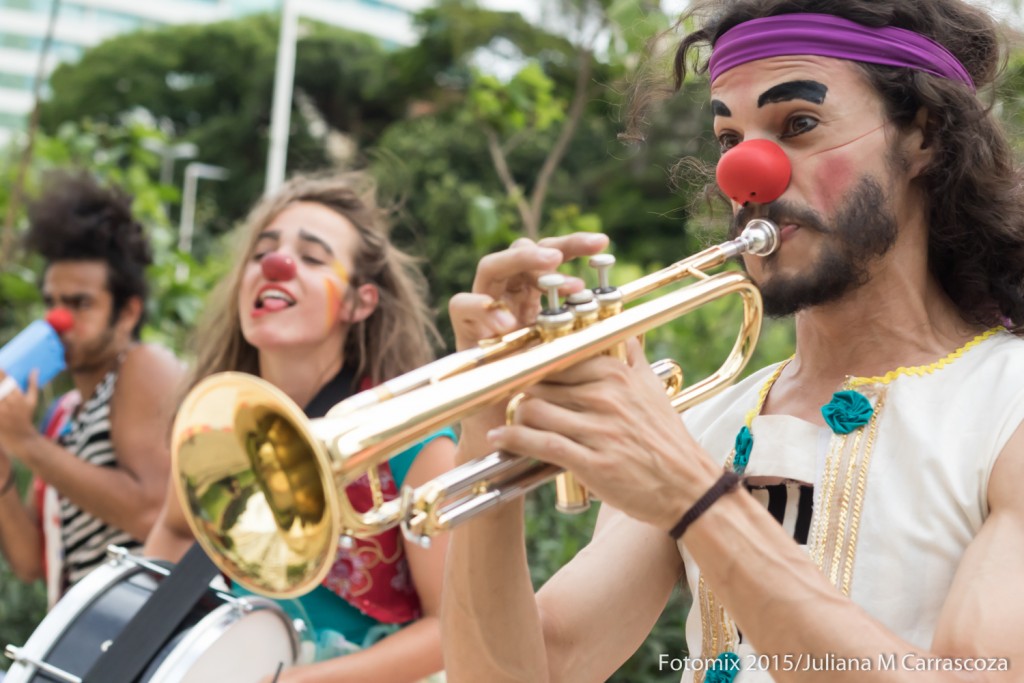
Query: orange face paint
[[340, 271], [333, 301]]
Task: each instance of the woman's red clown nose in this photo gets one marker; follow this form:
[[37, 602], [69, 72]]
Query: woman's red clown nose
[[278, 267]]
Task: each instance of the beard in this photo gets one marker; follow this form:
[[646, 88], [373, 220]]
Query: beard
[[863, 230], [92, 355]]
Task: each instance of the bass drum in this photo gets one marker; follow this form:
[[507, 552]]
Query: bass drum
[[223, 640]]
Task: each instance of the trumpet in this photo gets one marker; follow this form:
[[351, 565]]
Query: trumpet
[[263, 486]]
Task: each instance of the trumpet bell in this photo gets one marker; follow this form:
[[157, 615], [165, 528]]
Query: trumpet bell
[[251, 477]]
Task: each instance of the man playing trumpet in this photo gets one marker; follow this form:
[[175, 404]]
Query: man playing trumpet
[[848, 514]]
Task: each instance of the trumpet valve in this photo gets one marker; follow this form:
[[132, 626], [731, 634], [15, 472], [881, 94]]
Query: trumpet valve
[[584, 308], [551, 283], [571, 497], [419, 511], [609, 298], [603, 263], [556, 320]]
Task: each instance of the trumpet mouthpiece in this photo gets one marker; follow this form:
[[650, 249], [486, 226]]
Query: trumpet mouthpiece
[[761, 236]]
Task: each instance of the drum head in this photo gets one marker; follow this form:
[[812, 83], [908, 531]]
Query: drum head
[[73, 634], [221, 641], [229, 645]]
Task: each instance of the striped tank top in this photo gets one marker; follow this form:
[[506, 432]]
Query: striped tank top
[[84, 537]]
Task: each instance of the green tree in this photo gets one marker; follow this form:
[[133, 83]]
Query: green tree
[[211, 84], [116, 154]]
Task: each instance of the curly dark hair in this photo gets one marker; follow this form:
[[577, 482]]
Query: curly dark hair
[[975, 190], [78, 219]]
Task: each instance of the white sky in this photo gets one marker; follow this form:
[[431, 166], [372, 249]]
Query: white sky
[[1004, 9]]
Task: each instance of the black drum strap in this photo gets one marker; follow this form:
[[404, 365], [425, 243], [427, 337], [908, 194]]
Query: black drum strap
[[158, 619]]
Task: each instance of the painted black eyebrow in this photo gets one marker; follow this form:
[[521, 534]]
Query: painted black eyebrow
[[812, 91], [718, 108]]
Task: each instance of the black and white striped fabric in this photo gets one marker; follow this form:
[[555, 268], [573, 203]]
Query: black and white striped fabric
[[84, 537], [791, 504]]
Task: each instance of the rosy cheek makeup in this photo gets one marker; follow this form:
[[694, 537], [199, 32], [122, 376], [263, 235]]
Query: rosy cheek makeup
[[837, 171], [837, 176]]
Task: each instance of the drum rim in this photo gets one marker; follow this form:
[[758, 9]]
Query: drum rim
[[45, 636], [213, 626]]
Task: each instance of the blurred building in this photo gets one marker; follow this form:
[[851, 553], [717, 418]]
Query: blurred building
[[84, 23]]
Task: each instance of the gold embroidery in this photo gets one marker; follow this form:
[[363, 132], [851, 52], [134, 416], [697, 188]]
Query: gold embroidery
[[717, 629], [762, 396], [707, 639], [832, 542], [819, 532], [921, 370], [858, 502], [849, 457], [838, 509]]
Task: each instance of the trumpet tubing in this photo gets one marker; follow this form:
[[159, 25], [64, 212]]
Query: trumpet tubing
[[263, 487]]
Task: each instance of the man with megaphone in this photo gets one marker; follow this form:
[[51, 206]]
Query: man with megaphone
[[101, 465]]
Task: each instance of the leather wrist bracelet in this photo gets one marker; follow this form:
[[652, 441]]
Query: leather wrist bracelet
[[726, 483]]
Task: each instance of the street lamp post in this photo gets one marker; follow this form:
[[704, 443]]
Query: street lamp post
[[193, 172], [284, 75], [281, 110], [169, 153]]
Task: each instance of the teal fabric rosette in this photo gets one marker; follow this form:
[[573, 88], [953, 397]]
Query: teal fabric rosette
[[847, 411], [743, 446], [724, 669]]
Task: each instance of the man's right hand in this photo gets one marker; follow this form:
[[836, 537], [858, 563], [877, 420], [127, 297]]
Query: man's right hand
[[505, 295], [16, 412]]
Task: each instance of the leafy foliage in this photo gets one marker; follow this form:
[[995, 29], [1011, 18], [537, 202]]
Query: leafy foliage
[[117, 155], [211, 84], [418, 117], [526, 101]]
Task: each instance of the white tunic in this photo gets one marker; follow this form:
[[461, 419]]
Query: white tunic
[[896, 503]]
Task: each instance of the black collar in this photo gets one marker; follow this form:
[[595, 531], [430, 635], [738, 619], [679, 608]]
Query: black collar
[[339, 388]]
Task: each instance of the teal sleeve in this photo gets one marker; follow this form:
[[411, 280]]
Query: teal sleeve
[[401, 463]]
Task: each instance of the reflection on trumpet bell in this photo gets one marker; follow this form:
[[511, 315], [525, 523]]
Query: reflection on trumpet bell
[[263, 487], [282, 464], [250, 478]]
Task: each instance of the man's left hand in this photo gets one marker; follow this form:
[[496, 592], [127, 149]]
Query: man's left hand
[[611, 424]]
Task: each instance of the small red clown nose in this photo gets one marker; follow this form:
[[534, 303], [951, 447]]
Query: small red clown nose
[[754, 171], [60, 320], [278, 267]]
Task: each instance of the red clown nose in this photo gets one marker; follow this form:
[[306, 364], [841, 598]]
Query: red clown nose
[[277, 267], [60, 320], [754, 171]]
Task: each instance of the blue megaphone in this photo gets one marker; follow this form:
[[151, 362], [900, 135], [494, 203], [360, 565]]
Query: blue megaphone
[[37, 347]]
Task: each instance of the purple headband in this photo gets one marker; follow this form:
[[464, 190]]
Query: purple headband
[[826, 35]]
